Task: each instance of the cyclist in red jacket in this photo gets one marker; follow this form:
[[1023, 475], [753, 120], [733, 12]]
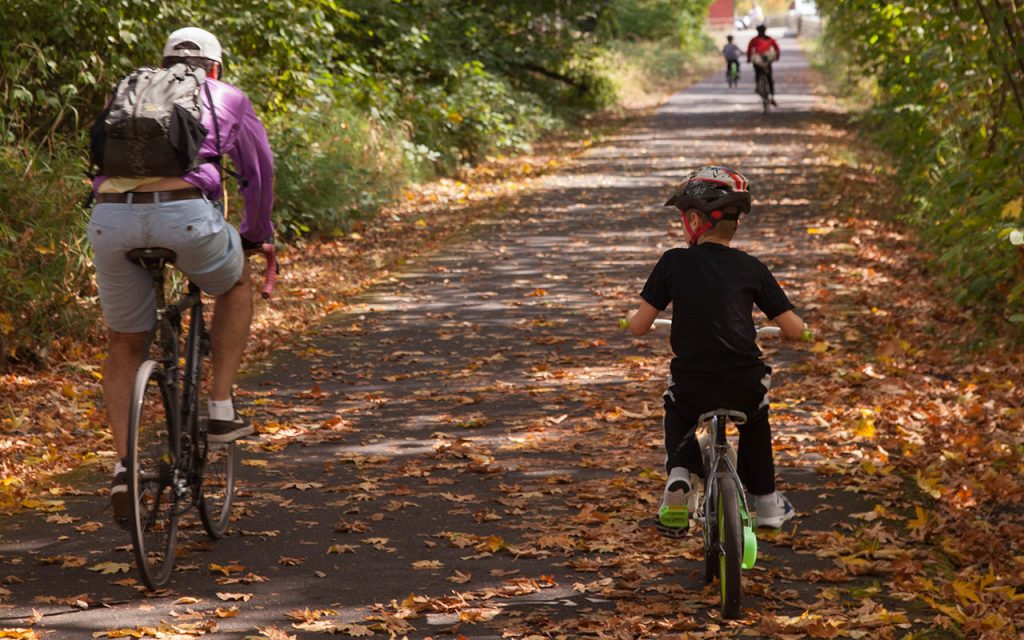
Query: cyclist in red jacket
[[763, 50]]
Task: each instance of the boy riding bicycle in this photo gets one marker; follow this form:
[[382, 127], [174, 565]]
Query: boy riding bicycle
[[732, 55], [713, 288]]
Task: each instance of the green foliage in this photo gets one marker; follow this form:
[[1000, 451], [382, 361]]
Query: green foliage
[[654, 19], [340, 167], [359, 97], [46, 284], [949, 106]]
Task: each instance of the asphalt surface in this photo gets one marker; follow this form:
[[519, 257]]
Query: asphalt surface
[[481, 413]]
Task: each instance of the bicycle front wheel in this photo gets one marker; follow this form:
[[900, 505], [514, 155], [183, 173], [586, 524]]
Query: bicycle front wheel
[[730, 558], [218, 489], [153, 520]]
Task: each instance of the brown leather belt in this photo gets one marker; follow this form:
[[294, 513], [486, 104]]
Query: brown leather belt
[[148, 197]]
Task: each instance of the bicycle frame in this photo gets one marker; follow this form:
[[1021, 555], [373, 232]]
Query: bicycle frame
[[719, 465], [183, 386]]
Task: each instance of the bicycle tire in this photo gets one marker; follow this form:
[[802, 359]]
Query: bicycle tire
[[762, 90], [730, 537], [152, 512], [218, 489]]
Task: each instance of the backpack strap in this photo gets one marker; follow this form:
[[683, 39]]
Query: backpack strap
[[219, 158]]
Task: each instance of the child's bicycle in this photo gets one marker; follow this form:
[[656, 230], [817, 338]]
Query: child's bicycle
[[730, 544], [171, 466], [732, 73]]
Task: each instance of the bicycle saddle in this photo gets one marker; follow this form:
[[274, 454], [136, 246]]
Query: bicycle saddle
[[152, 254], [737, 417]]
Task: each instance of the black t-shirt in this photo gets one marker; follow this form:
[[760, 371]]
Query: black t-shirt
[[713, 289]]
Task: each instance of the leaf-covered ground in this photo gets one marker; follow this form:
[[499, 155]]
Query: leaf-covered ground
[[472, 448]]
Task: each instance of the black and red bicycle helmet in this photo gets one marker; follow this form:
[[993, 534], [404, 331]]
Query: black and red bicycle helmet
[[717, 192], [720, 193]]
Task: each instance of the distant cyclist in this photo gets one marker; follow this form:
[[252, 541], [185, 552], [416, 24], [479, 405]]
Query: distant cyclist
[[762, 51], [732, 55]]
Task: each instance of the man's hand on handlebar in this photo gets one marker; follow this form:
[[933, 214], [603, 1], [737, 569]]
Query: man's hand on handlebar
[[252, 246], [269, 252]]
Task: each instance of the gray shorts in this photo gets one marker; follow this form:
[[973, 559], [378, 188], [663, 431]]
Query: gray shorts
[[209, 254]]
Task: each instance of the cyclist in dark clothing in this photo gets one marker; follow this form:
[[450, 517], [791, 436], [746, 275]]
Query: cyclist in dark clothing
[[713, 288]]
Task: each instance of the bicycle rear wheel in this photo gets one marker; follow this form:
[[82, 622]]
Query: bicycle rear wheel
[[218, 489], [762, 90], [153, 518], [730, 537]]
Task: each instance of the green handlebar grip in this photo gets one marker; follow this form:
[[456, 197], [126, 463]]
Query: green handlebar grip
[[623, 323]]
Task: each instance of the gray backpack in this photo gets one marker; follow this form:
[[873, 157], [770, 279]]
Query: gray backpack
[[152, 124]]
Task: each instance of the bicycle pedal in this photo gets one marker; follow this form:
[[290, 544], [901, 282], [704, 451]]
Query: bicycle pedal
[[674, 517], [673, 522], [675, 533]]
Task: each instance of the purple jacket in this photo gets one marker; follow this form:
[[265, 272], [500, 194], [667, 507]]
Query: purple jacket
[[243, 138]]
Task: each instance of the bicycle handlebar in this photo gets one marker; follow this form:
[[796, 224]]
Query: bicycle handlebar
[[269, 252], [665, 322]]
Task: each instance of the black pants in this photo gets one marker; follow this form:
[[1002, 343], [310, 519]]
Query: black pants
[[687, 399], [759, 71], [729, 64]]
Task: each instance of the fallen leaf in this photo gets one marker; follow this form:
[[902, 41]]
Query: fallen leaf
[[244, 597], [111, 567], [427, 564]]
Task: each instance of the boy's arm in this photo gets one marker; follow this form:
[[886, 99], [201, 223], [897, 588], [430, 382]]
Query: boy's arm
[[641, 319], [791, 324]]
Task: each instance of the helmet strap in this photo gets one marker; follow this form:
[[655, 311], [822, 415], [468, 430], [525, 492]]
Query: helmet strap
[[695, 235]]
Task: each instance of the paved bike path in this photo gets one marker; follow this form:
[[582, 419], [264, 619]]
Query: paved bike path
[[477, 431]]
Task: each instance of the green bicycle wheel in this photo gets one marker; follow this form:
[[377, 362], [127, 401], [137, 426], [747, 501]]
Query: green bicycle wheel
[[730, 557]]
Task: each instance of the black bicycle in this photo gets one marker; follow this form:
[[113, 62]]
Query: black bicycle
[[171, 465], [764, 69]]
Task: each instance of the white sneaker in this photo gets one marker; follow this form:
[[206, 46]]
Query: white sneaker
[[773, 510], [674, 512]]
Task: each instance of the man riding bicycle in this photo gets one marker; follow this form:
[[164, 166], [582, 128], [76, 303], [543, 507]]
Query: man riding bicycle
[[182, 213], [762, 51]]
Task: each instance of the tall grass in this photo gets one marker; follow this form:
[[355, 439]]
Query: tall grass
[[46, 289]]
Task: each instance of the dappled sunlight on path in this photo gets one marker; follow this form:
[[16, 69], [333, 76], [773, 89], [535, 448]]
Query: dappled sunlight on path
[[473, 447]]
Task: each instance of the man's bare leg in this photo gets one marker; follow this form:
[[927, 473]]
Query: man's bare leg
[[123, 359], [232, 315]]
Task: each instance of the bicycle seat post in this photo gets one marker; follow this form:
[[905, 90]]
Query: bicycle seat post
[[154, 260]]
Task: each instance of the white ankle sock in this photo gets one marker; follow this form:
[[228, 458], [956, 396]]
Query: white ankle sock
[[222, 410], [118, 467]]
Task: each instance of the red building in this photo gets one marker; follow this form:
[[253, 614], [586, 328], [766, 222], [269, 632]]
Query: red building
[[720, 13]]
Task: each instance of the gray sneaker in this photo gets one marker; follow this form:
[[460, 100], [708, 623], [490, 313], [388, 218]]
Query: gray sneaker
[[225, 431], [674, 511], [773, 510]]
